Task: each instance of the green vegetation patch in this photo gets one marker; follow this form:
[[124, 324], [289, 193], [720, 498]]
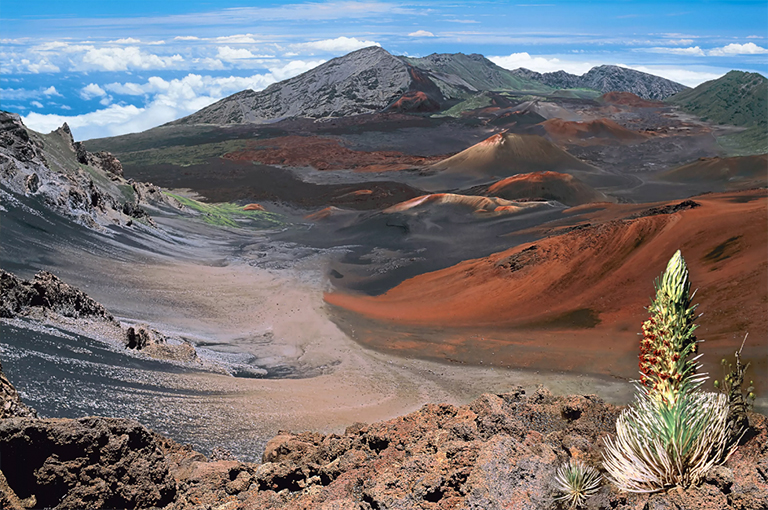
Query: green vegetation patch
[[227, 214], [473, 103], [752, 141]]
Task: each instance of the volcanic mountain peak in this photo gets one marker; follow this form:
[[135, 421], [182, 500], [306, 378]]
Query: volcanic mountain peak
[[364, 81], [475, 70], [505, 154], [608, 78], [483, 206], [548, 185], [599, 130]]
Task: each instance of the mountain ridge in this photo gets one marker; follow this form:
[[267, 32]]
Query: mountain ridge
[[372, 80], [608, 78]]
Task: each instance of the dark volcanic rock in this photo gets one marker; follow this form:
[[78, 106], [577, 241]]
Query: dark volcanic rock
[[608, 79], [46, 293], [84, 463], [11, 405]]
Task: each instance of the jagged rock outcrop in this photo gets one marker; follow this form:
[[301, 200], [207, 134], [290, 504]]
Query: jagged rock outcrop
[[608, 79], [46, 293], [84, 463], [11, 405], [49, 297], [500, 451], [153, 343], [87, 187]]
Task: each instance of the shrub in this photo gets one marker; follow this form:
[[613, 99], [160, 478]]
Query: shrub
[[576, 482], [674, 432]]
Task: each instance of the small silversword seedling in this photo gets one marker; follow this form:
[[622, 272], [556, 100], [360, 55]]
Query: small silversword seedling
[[576, 482]]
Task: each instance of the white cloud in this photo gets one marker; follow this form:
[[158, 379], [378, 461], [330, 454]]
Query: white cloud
[[238, 39], [688, 77], [228, 54], [42, 66], [89, 125], [167, 100], [36, 104], [123, 59], [421, 33], [680, 42], [340, 44], [51, 91], [22, 94], [211, 64], [738, 49], [693, 51], [127, 40], [91, 91], [294, 68], [186, 38], [541, 64], [755, 37]]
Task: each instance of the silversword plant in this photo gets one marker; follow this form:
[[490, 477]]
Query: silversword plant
[[674, 432], [576, 482]]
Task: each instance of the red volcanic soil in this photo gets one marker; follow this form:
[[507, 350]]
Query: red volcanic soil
[[564, 188], [576, 301], [325, 154], [490, 206], [599, 131], [628, 99], [414, 101], [737, 172], [253, 207]]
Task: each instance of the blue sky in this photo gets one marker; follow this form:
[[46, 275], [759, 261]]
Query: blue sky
[[109, 67]]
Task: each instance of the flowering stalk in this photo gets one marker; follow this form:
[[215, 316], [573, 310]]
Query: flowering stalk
[[668, 341]]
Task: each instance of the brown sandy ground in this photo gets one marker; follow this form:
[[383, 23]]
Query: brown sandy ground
[[575, 301]]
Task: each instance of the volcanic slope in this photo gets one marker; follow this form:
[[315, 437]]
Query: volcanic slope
[[586, 290], [506, 154], [739, 172], [480, 206], [564, 188], [363, 81], [608, 79], [598, 131], [476, 71]]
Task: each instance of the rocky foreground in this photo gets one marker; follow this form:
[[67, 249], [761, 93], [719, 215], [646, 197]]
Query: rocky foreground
[[500, 451]]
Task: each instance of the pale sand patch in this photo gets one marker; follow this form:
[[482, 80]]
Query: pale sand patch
[[235, 305]]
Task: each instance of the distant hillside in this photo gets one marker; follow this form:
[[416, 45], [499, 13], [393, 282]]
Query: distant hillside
[[477, 71], [608, 79], [739, 99]]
